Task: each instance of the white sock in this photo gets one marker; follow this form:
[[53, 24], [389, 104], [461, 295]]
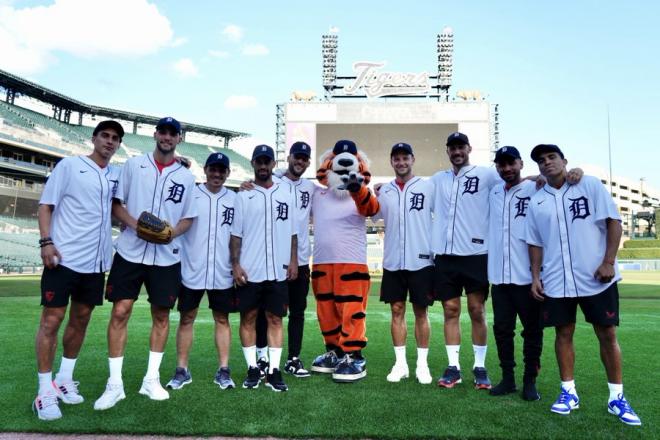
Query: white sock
[[45, 382], [275, 356], [115, 370], [615, 390], [262, 352], [65, 374], [400, 355], [153, 366], [422, 357], [250, 354], [569, 386], [479, 356], [452, 355]]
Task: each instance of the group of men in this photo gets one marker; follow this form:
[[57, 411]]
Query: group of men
[[545, 251]]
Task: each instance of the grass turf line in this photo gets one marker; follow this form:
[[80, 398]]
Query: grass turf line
[[316, 407]]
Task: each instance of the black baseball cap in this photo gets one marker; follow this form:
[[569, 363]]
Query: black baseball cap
[[263, 150], [169, 122], [217, 159], [457, 138], [401, 146], [545, 148], [507, 152], [345, 146], [116, 126], [300, 148]]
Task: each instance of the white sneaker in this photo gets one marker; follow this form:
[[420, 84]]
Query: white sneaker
[[153, 389], [398, 372], [423, 374], [47, 407], [67, 392], [112, 394]]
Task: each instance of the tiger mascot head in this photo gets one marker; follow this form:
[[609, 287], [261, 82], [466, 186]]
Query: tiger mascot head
[[342, 166]]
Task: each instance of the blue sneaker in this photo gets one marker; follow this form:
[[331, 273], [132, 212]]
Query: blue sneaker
[[350, 369], [565, 403], [181, 378], [450, 377], [621, 408], [325, 363]]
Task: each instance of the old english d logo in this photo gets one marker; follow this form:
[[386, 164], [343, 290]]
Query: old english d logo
[[579, 208], [175, 192]]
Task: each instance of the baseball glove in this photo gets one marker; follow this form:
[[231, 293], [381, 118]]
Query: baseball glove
[[154, 230]]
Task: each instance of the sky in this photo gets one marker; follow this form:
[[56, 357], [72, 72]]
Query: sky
[[555, 68]]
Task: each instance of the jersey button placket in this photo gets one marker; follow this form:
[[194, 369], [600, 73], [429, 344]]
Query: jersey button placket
[[507, 238], [453, 199], [565, 254], [402, 232]]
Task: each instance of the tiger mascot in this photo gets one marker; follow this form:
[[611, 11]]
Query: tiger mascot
[[340, 275]]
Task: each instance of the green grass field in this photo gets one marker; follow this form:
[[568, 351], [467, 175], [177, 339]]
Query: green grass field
[[317, 407]]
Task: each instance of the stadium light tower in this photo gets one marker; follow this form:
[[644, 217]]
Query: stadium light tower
[[445, 60], [329, 52]]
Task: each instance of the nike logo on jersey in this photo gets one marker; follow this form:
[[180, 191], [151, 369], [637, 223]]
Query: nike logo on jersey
[[251, 197], [538, 203], [143, 166], [83, 171]]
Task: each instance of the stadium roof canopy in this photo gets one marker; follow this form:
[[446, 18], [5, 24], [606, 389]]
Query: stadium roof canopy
[[16, 85]]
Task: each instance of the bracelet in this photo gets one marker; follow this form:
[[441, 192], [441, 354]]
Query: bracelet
[[46, 243], [45, 239]]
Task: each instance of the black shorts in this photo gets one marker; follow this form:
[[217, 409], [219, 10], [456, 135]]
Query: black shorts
[[220, 300], [126, 278], [396, 285], [455, 273], [60, 283], [272, 296], [600, 309]]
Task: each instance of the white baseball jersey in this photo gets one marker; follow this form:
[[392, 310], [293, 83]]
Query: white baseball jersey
[[81, 193], [205, 262], [508, 255], [265, 220], [304, 191], [166, 194], [408, 220], [340, 231], [460, 224], [569, 223]]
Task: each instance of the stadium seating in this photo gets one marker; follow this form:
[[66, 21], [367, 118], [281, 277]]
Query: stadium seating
[[19, 249]]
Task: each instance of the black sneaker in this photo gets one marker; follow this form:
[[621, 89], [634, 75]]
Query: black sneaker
[[262, 364], [506, 386], [295, 367], [252, 380], [274, 381], [529, 391]]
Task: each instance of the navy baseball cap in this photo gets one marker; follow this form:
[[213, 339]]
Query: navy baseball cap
[[217, 159], [401, 146], [457, 138], [507, 152], [300, 148], [114, 125], [345, 146], [263, 150], [169, 122], [545, 148]]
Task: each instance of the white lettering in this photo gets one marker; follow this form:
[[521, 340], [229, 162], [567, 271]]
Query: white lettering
[[375, 83]]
